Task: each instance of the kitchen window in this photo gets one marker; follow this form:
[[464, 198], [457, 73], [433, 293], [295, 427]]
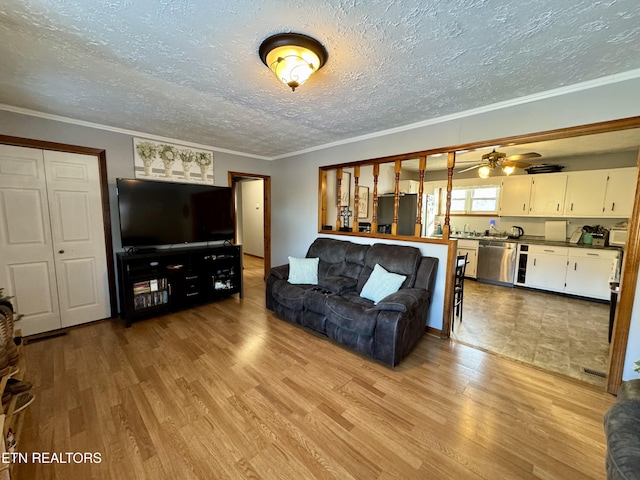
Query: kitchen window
[[475, 200]]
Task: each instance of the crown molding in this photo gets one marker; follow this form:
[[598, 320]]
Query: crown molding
[[135, 133], [603, 81], [599, 82]]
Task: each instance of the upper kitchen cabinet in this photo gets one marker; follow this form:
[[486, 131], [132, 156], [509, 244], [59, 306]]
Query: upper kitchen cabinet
[[620, 194], [547, 194], [585, 193], [409, 186], [514, 195], [597, 193]]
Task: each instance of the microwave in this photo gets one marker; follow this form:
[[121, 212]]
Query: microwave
[[618, 237]]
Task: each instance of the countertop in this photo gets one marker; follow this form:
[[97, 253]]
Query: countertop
[[534, 240]]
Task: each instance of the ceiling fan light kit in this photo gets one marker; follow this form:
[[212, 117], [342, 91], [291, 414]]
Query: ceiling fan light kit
[[508, 169], [508, 164], [292, 57]]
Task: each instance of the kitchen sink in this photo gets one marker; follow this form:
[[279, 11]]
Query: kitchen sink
[[480, 237]]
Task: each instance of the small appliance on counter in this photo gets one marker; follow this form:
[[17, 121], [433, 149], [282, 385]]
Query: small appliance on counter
[[595, 235], [618, 236], [516, 232]]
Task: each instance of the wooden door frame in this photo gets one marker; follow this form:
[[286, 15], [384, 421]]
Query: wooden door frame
[[101, 155], [628, 282], [233, 179]]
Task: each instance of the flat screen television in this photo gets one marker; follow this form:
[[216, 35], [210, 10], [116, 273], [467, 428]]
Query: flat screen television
[[163, 213]]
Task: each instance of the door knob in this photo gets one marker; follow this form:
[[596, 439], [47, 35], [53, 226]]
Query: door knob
[[60, 251]]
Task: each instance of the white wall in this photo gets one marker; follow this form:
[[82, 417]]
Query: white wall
[[633, 347], [295, 179], [252, 195]]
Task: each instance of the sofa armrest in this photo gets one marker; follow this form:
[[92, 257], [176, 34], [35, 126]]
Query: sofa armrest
[[404, 300], [338, 284], [281, 272]]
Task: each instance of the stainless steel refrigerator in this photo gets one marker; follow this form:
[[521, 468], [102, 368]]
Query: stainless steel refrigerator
[[407, 214]]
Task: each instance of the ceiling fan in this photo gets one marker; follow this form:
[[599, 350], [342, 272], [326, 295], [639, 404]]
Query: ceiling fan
[[496, 159]]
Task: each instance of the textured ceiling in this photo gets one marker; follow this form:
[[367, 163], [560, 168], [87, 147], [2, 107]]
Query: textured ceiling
[[189, 69]]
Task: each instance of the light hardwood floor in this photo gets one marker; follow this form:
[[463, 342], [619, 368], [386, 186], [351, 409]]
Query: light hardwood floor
[[229, 391]]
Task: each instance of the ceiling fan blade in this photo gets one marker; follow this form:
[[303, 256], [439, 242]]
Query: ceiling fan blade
[[521, 156], [511, 163], [470, 168]]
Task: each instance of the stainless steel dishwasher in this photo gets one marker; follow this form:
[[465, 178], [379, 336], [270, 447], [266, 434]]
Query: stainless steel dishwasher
[[497, 262]]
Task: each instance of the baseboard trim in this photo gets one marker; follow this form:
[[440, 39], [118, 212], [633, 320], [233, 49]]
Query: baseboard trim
[[434, 331]]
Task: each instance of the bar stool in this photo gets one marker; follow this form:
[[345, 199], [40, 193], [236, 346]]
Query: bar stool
[[458, 287]]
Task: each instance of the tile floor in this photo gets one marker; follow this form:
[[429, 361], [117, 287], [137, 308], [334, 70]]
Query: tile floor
[[557, 333]]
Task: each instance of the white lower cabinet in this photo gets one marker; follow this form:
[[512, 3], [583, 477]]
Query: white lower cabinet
[[470, 247], [589, 272], [578, 271], [546, 267]]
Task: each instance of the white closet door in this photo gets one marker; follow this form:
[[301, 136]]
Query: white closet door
[[77, 227], [26, 256]]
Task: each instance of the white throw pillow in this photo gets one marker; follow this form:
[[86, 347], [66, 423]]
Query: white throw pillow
[[303, 270], [381, 283]]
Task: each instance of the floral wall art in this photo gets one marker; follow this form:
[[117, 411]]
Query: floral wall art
[[172, 163]]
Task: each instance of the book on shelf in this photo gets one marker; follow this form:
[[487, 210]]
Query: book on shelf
[[149, 286], [150, 293]]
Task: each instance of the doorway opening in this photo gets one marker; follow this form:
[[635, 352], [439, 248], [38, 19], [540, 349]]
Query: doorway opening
[[252, 193]]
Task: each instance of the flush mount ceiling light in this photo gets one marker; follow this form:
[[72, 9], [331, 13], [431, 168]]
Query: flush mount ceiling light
[[292, 57]]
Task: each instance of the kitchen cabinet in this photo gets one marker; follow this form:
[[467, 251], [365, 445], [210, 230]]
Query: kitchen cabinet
[[546, 267], [597, 193], [620, 194], [470, 247], [514, 195], [409, 186], [585, 193], [547, 194], [589, 193], [577, 271], [589, 272]]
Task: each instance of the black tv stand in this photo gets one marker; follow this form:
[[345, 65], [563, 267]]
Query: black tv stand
[[164, 280]]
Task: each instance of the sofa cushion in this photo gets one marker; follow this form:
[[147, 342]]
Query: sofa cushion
[[289, 295], [338, 257], [399, 259], [381, 284], [338, 284], [356, 317], [303, 270], [354, 259], [315, 300], [404, 300], [328, 250]]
